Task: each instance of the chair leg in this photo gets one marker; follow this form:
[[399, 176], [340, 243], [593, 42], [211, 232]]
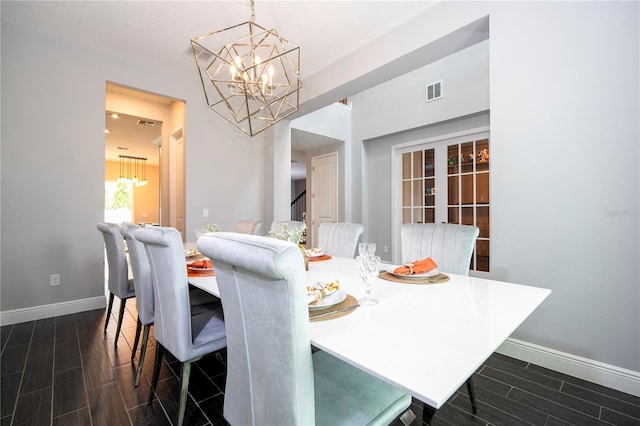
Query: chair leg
[[123, 302], [135, 340], [143, 351], [156, 371], [106, 320], [186, 373], [472, 394]]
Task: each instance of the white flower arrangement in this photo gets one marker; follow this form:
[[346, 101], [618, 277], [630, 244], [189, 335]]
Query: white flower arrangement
[[296, 236], [212, 227]]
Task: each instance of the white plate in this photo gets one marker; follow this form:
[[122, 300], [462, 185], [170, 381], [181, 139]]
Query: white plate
[[431, 273], [330, 300], [200, 269], [314, 252], [191, 253]]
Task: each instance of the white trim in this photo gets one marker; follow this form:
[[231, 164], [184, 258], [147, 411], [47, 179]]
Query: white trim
[[16, 316], [621, 379]]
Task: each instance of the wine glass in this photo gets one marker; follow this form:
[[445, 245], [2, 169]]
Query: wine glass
[[367, 249], [368, 267]]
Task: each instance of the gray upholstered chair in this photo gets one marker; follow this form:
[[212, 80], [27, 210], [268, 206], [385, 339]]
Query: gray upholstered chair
[[339, 239], [272, 376], [249, 227], [144, 291], [144, 294], [450, 246], [119, 283], [187, 337]]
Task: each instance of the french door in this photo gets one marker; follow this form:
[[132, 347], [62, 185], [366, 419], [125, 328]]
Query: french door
[[448, 181]]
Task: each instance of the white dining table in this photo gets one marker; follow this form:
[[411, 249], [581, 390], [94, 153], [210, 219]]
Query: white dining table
[[426, 339]]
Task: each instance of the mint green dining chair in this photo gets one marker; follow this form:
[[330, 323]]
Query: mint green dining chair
[[273, 378]]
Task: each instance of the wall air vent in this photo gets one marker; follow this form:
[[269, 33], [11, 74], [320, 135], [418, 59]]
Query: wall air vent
[[146, 123], [434, 91]]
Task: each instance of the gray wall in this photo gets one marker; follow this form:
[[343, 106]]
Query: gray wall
[[564, 168], [52, 164]]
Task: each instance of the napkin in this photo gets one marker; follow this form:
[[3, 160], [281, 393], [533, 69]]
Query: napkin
[[201, 264], [320, 290], [416, 267]]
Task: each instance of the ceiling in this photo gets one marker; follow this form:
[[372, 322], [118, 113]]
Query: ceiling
[[131, 136], [160, 31]]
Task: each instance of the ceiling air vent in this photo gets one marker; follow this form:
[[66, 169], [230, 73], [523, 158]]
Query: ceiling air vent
[[434, 91], [146, 123]]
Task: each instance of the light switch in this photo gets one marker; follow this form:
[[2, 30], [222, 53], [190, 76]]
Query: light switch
[[205, 212]]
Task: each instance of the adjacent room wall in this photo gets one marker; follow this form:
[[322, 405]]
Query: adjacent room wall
[[564, 173]]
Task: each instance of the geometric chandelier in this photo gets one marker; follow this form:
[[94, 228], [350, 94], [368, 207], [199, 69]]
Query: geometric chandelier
[[250, 75]]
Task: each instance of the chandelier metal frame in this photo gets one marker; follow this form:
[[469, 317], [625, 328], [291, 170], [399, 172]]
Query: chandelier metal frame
[[250, 75]]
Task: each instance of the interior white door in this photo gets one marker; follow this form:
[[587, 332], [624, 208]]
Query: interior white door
[[324, 192]]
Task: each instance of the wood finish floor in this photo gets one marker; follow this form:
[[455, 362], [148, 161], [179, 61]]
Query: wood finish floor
[[65, 371]]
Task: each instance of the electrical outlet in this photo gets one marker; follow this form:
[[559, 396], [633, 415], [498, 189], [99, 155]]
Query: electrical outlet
[[205, 212], [54, 280], [386, 249]]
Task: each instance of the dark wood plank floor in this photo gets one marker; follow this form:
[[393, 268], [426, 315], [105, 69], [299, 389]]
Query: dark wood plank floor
[[65, 371]]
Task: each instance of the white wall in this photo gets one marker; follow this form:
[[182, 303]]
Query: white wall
[[53, 165], [564, 121]]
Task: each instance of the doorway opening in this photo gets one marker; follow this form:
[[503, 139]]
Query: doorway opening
[[139, 125]]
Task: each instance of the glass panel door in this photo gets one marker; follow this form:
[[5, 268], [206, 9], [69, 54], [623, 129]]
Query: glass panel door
[[418, 187], [460, 168], [468, 193]]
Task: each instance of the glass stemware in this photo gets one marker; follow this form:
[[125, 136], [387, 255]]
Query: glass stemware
[[368, 267], [367, 249]]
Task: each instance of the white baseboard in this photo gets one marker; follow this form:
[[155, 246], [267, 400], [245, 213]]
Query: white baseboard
[[16, 316], [613, 377]]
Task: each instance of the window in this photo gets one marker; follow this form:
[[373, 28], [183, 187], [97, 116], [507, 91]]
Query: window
[[118, 202]]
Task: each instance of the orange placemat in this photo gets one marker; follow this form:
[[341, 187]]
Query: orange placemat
[[436, 279], [349, 301], [193, 272], [319, 258]]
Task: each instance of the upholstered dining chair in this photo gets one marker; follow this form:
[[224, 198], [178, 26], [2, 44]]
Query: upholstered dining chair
[[272, 376], [144, 292], [248, 227], [119, 283], [187, 337], [139, 261], [450, 246], [339, 239]]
